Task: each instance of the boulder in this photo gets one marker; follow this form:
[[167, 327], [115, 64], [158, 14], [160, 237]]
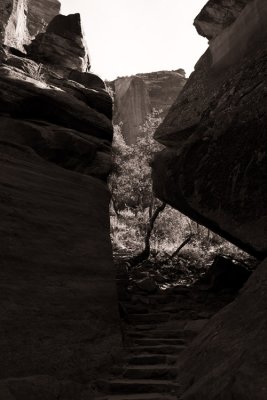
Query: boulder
[[225, 273], [62, 45], [147, 285], [217, 15], [87, 79], [214, 167], [228, 358]]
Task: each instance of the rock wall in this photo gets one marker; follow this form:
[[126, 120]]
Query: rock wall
[[214, 170], [228, 359], [59, 325], [214, 167], [136, 97], [62, 45], [22, 20], [217, 15]]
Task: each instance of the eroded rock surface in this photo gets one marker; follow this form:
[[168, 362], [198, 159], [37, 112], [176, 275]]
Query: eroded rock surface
[[22, 20], [214, 167], [62, 45], [137, 96], [217, 15], [214, 170], [228, 359], [59, 324]]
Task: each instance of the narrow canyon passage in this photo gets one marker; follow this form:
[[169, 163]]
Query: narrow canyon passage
[[146, 299], [157, 326]]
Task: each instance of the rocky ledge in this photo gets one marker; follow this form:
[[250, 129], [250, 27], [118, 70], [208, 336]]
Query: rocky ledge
[[58, 308]]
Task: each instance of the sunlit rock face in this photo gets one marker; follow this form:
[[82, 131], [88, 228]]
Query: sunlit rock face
[[59, 323], [214, 167], [132, 106], [22, 20], [137, 96]]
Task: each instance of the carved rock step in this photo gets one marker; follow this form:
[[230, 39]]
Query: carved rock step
[[144, 396], [151, 359], [158, 341], [150, 318], [131, 386], [161, 334], [159, 349], [160, 371]]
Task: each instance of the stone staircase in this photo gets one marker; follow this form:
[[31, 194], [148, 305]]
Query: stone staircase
[[155, 333]]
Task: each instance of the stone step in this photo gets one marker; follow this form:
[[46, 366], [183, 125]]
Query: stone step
[[158, 341], [161, 371], [139, 396], [159, 349], [152, 299], [144, 327], [131, 386], [153, 359], [161, 334], [151, 318]]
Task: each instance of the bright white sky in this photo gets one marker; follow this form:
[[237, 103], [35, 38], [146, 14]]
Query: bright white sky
[[126, 37]]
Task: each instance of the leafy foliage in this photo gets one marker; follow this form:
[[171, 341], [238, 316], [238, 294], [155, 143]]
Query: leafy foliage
[[133, 203]]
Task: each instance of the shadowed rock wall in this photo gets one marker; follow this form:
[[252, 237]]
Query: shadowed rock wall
[[214, 167], [228, 359], [59, 325]]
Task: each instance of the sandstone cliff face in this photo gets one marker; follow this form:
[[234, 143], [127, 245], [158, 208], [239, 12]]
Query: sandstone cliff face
[[22, 20], [58, 306], [137, 96], [62, 45], [214, 170], [214, 167]]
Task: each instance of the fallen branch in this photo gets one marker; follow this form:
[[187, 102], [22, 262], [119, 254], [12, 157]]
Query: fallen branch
[[185, 242]]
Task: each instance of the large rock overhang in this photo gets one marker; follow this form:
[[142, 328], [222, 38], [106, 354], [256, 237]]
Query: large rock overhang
[[214, 168]]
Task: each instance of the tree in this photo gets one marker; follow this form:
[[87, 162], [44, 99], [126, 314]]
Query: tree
[[131, 183]]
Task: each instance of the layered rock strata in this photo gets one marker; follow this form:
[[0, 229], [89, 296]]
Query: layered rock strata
[[22, 20], [58, 304], [214, 167], [136, 97], [62, 45]]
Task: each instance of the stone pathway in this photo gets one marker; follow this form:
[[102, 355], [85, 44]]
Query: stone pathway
[[157, 328]]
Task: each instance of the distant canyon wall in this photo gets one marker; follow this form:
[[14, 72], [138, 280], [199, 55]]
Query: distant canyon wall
[[136, 97], [59, 323]]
